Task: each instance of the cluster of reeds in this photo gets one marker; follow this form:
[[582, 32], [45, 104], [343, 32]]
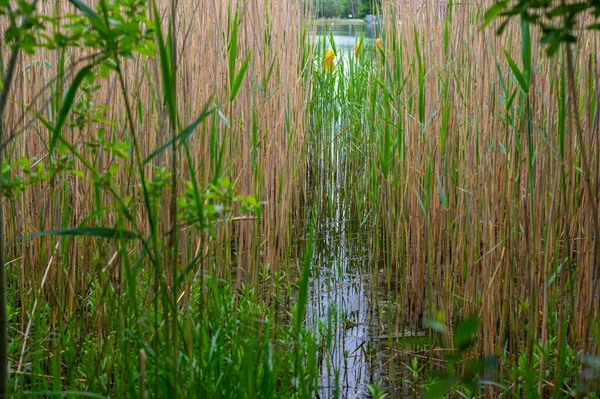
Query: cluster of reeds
[[475, 155], [468, 160], [132, 269]]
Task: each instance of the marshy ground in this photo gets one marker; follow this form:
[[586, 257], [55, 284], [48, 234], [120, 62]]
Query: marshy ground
[[222, 199]]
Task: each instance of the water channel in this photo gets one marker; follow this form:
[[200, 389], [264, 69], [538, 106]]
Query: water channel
[[346, 299]]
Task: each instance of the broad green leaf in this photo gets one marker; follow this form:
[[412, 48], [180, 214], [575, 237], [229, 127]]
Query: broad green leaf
[[464, 331], [437, 390], [493, 12], [94, 18], [562, 10], [114, 168]]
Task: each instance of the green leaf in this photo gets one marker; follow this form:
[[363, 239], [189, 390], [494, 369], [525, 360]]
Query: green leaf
[[442, 193], [68, 104], [94, 18], [437, 390], [523, 84], [239, 78], [502, 26], [332, 41], [233, 49], [114, 168], [184, 135], [526, 50], [568, 9], [465, 329], [511, 99], [434, 325], [165, 68], [554, 275], [223, 118], [421, 203], [23, 162], [303, 287], [102, 232], [493, 12]]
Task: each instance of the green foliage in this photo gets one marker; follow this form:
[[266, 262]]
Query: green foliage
[[377, 391], [235, 79], [204, 209], [26, 172], [228, 349], [344, 8], [328, 8], [369, 7], [352, 7], [557, 19], [463, 372]]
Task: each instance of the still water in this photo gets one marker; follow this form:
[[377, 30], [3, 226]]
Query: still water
[[345, 34], [343, 302]]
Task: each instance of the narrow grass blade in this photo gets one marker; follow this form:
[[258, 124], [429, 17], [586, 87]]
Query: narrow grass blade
[[68, 104], [517, 73], [184, 135], [239, 78]]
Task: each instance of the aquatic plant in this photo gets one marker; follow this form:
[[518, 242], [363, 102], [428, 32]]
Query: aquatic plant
[[328, 63], [173, 177], [135, 199]]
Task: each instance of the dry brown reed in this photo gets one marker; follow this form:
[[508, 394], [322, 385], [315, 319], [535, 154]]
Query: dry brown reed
[[514, 245], [273, 31]]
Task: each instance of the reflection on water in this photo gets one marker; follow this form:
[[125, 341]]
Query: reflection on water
[[345, 34], [358, 323], [339, 307], [349, 307]]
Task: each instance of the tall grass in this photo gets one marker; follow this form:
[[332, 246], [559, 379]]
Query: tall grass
[[132, 270], [478, 183], [469, 161], [469, 154]]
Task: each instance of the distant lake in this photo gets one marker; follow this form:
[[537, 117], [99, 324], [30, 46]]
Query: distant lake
[[345, 34]]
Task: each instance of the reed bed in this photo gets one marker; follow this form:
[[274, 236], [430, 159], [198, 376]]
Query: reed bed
[[187, 306], [465, 163], [468, 160]]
